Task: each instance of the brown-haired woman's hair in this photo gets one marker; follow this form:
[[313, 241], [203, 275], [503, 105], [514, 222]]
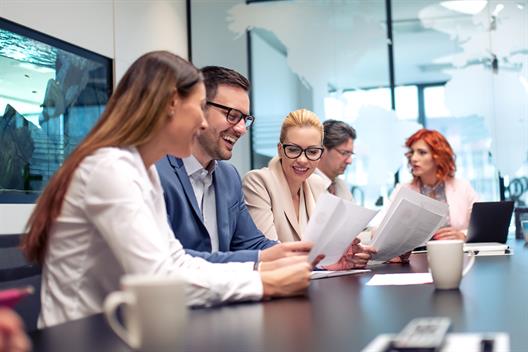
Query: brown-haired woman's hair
[[301, 118], [443, 155], [134, 113]]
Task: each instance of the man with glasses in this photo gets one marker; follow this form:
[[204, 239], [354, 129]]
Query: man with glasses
[[203, 193], [338, 142]]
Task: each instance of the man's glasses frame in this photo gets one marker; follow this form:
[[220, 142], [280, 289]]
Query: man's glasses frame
[[345, 153], [233, 116], [289, 155]]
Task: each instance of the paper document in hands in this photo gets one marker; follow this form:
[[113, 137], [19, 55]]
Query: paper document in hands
[[333, 226], [410, 221]]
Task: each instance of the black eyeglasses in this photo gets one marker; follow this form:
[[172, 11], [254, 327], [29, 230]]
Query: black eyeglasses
[[233, 116], [293, 151], [344, 153]]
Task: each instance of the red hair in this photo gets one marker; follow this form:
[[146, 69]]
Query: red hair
[[443, 155]]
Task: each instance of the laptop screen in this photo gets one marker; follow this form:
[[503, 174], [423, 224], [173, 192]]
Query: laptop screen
[[490, 221]]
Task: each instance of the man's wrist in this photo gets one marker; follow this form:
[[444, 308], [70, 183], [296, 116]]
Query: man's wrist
[[256, 266]]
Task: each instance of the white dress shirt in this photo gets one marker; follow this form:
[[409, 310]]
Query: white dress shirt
[[342, 189], [113, 222], [204, 191]]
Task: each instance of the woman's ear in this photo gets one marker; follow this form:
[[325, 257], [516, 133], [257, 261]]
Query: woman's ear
[[173, 104], [279, 150]]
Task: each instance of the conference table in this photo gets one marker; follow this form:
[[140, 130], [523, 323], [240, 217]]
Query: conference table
[[340, 313]]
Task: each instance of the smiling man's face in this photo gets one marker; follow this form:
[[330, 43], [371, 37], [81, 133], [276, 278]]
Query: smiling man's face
[[218, 140]]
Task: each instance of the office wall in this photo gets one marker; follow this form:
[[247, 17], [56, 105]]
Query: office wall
[[122, 30], [214, 44]]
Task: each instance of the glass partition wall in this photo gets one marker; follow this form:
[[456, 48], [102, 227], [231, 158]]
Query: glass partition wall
[[460, 67], [51, 94]]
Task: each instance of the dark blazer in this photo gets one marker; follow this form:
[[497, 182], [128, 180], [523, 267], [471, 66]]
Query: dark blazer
[[238, 238]]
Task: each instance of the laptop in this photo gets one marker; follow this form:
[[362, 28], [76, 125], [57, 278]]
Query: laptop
[[489, 222]]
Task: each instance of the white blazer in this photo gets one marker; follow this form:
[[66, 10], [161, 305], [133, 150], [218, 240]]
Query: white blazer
[[113, 222]]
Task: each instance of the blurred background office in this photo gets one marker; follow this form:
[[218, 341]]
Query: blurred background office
[[385, 67]]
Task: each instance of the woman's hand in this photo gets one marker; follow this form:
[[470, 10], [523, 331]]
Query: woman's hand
[[355, 257], [449, 233], [289, 276], [403, 259], [12, 335]]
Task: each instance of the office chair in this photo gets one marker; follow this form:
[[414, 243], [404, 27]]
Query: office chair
[[15, 271]]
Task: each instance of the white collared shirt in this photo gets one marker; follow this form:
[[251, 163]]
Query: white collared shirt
[[202, 183], [341, 187], [113, 222]]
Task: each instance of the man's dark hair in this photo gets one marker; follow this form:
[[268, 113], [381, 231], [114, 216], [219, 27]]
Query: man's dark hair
[[216, 75], [336, 133]]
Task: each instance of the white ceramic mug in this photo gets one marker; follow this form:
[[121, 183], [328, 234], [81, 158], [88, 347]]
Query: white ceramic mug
[[446, 263], [154, 312]]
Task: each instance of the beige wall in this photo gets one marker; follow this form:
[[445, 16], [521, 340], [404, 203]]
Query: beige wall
[[119, 29]]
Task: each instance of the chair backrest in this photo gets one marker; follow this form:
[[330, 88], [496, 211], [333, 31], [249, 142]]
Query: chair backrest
[[15, 271]]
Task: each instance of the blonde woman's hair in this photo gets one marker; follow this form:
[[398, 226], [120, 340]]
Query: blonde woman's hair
[[301, 118]]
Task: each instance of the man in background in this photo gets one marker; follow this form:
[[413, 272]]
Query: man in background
[[338, 142]]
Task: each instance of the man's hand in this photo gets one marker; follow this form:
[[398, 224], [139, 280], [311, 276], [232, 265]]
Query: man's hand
[[286, 249], [282, 262], [355, 257], [290, 279], [449, 233]]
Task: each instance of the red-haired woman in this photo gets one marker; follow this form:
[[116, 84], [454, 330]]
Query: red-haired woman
[[432, 163]]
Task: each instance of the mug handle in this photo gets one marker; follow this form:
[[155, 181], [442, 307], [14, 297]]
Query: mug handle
[[111, 303], [468, 267]]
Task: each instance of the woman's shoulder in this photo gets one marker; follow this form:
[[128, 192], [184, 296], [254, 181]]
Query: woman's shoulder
[[111, 162], [458, 183]]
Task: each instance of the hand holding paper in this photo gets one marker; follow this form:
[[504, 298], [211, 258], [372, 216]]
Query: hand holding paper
[[410, 221], [333, 226]]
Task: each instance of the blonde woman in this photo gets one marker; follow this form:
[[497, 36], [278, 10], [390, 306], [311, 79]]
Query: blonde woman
[[282, 197]]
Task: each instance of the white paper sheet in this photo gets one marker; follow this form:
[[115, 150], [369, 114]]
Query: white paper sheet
[[410, 221], [333, 226], [400, 279], [314, 275]]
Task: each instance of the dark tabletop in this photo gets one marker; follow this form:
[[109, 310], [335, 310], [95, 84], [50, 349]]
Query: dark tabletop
[[339, 314]]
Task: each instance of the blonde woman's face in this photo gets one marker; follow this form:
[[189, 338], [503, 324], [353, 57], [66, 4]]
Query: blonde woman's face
[[187, 121], [307, 138]]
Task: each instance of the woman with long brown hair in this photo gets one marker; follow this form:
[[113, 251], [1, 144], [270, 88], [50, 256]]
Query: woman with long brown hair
[[102, 214]]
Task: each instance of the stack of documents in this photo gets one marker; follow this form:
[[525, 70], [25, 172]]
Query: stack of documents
[[333, 226], [410, 221]]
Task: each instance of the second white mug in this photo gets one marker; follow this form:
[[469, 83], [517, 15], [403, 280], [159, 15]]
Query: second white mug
[[446, 262], [154, 312]]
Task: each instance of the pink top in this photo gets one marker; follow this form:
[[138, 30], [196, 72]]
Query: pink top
[[460, 198]]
